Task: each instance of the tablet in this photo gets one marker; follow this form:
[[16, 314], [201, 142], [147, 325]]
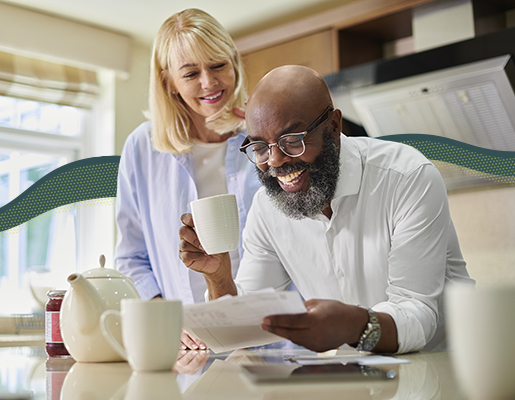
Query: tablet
[[270, 373]]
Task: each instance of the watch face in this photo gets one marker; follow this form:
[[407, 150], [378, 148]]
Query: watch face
[[372, 339]]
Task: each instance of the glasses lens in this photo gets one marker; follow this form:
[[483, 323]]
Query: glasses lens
[[292, 145], [257, 153]]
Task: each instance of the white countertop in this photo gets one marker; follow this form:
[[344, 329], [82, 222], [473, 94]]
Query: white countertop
[[209, 376], [22, 339]]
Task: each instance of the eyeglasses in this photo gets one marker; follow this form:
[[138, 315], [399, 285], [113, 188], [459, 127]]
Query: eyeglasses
[[291, 144]]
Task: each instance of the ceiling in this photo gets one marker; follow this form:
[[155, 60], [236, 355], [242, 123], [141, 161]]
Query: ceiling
[[141, 19]]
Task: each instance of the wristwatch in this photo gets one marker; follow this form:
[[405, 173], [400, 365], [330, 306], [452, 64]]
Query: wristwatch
[[371, 335]]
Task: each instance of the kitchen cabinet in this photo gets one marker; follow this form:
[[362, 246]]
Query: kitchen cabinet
[[347, 35], [318, 51], [355, 33]]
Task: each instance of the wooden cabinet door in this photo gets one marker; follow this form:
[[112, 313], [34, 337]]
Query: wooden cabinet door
[[318, 51]]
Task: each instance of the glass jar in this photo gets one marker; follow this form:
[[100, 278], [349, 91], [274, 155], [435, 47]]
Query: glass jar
[[54, 341], [56, 370]]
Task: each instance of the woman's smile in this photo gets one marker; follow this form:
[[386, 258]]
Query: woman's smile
[[213, 98]]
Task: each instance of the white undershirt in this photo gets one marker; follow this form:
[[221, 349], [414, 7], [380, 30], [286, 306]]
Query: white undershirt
[[209, 176], [209, 168]]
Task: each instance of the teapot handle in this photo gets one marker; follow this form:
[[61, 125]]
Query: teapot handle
[[108, 335]]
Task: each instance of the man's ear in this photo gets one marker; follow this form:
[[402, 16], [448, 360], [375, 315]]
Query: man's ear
[[336, 124]]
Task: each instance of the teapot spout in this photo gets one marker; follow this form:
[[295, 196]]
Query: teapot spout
[[88, 304]]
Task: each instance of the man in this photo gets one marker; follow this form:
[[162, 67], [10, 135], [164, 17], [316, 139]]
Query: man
[[360, 225]]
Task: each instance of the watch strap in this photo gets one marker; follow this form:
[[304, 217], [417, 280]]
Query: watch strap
[[370, 336]]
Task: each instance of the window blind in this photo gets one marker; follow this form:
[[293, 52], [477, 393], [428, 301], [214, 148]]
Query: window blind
[[38, 80]]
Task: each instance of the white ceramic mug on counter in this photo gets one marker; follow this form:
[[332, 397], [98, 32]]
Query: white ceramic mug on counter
[[161, 385], [481, 326], [151, 333], [217, 223]]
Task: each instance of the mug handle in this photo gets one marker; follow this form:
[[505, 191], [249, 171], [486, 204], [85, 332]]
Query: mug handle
[[109, 336]]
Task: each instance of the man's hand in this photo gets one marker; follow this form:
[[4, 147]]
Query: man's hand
[[191, 252], [216, 267], [188, 341], [328, 324]]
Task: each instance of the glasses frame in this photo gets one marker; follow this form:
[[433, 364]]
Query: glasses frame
[[247, 143]]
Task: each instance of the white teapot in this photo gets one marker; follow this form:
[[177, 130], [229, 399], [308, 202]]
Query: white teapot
[[86, 381], [89, 295]]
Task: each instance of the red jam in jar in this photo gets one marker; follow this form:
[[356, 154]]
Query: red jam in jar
[[56, 370], [54, 341]]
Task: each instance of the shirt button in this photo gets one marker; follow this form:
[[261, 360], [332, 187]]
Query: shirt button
[[232, 178], [232, 148], [340, 273]]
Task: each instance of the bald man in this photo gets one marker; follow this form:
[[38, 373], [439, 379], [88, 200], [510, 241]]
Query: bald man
[[361, 227]]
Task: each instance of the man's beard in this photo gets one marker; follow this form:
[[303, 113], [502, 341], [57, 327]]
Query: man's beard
[[323, 174]]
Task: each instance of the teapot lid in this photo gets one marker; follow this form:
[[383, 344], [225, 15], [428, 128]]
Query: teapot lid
[[103, 272]]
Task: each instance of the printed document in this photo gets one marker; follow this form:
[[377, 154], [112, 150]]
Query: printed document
[[233, 322]]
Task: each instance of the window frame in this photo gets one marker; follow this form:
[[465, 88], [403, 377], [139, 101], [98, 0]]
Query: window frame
[[93, 235]]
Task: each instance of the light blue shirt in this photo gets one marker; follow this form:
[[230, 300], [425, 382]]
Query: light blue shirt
[[154, 190]]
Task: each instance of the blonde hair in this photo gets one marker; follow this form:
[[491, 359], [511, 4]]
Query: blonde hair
[[191, 34]]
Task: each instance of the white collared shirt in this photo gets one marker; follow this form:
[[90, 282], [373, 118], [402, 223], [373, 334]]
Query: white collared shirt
[[390, 244]]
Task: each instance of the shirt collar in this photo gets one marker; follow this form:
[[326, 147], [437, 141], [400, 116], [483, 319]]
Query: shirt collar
[[236, 140], [351, 168]]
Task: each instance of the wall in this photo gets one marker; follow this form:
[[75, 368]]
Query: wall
[[131, 97], [485, 223]]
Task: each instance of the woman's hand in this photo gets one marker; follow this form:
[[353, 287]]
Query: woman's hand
[[239, 112], [190, 361], [188, 341]]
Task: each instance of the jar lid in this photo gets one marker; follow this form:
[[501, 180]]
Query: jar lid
[[55, 293]]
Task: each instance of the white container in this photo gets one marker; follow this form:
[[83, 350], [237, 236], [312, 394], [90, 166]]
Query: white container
[[481, 326]]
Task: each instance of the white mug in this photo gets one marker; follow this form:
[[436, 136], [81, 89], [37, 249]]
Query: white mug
[[160, 385], [151, 333], [217, 223], [480, 327]]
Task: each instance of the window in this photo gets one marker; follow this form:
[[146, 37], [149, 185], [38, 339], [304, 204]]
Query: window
[[36, 138], [40, 117], [50, 115]]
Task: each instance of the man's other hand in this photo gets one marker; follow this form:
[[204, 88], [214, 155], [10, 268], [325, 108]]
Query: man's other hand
[[327, 325]]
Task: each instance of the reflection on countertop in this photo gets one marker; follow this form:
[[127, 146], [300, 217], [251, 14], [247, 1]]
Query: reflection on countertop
[[22, 339], [204, 375]]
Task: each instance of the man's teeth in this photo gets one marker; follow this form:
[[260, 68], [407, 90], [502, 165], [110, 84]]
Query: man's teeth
[[290, 179], [215, 96]]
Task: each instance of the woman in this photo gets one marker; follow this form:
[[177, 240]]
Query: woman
[[188, 150]]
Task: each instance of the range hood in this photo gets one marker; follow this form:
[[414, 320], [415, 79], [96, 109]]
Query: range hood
[[463, 91], [473, 103]]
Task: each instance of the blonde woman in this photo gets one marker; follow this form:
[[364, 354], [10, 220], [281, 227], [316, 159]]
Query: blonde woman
[[187, 150]]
